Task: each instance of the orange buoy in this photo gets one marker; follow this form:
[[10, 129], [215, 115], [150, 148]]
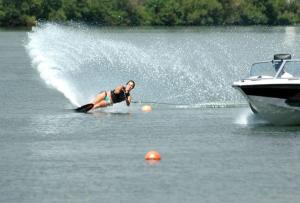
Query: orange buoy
[[152, 155], [146, 108]]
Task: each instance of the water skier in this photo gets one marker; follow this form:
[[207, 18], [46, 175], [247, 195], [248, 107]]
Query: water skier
[[108, 98]]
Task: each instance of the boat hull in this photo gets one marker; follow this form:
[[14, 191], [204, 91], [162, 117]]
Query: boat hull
[[277, 103]]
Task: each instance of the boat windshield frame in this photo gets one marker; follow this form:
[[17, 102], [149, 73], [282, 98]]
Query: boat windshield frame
[[278, 72]]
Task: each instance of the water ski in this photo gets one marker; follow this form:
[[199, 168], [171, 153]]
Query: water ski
[[84, 108]]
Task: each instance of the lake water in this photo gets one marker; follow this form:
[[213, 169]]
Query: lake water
[[213, 148]]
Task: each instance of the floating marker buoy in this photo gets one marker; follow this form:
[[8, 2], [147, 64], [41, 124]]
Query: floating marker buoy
[[146, 108], [152, 155]]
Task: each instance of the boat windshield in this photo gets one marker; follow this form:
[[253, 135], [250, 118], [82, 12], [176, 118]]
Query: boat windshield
[[263, 69], [292, 68], [269, 69]]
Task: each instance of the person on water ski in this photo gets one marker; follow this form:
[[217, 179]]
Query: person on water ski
[[108, 98]]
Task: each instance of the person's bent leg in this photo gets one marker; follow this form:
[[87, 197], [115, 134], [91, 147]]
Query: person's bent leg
[[100, 97], [100, 101], [95, 103], [100, 104]]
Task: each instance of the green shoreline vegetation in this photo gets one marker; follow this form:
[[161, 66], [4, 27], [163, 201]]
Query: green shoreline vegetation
[[17, 13]]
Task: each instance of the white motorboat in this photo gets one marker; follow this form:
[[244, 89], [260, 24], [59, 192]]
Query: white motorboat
[[273, 89]]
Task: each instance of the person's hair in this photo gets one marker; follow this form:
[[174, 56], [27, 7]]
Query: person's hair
[[132, 83]]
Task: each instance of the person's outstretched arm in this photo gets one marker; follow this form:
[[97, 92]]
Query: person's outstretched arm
[[128, 100]]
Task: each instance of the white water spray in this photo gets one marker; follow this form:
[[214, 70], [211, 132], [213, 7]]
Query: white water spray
[[171, 66]]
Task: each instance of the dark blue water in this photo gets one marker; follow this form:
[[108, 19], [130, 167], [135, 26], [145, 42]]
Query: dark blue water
[[48, 153]]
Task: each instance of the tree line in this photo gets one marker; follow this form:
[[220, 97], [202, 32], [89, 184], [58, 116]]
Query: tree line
[[151, 12]]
